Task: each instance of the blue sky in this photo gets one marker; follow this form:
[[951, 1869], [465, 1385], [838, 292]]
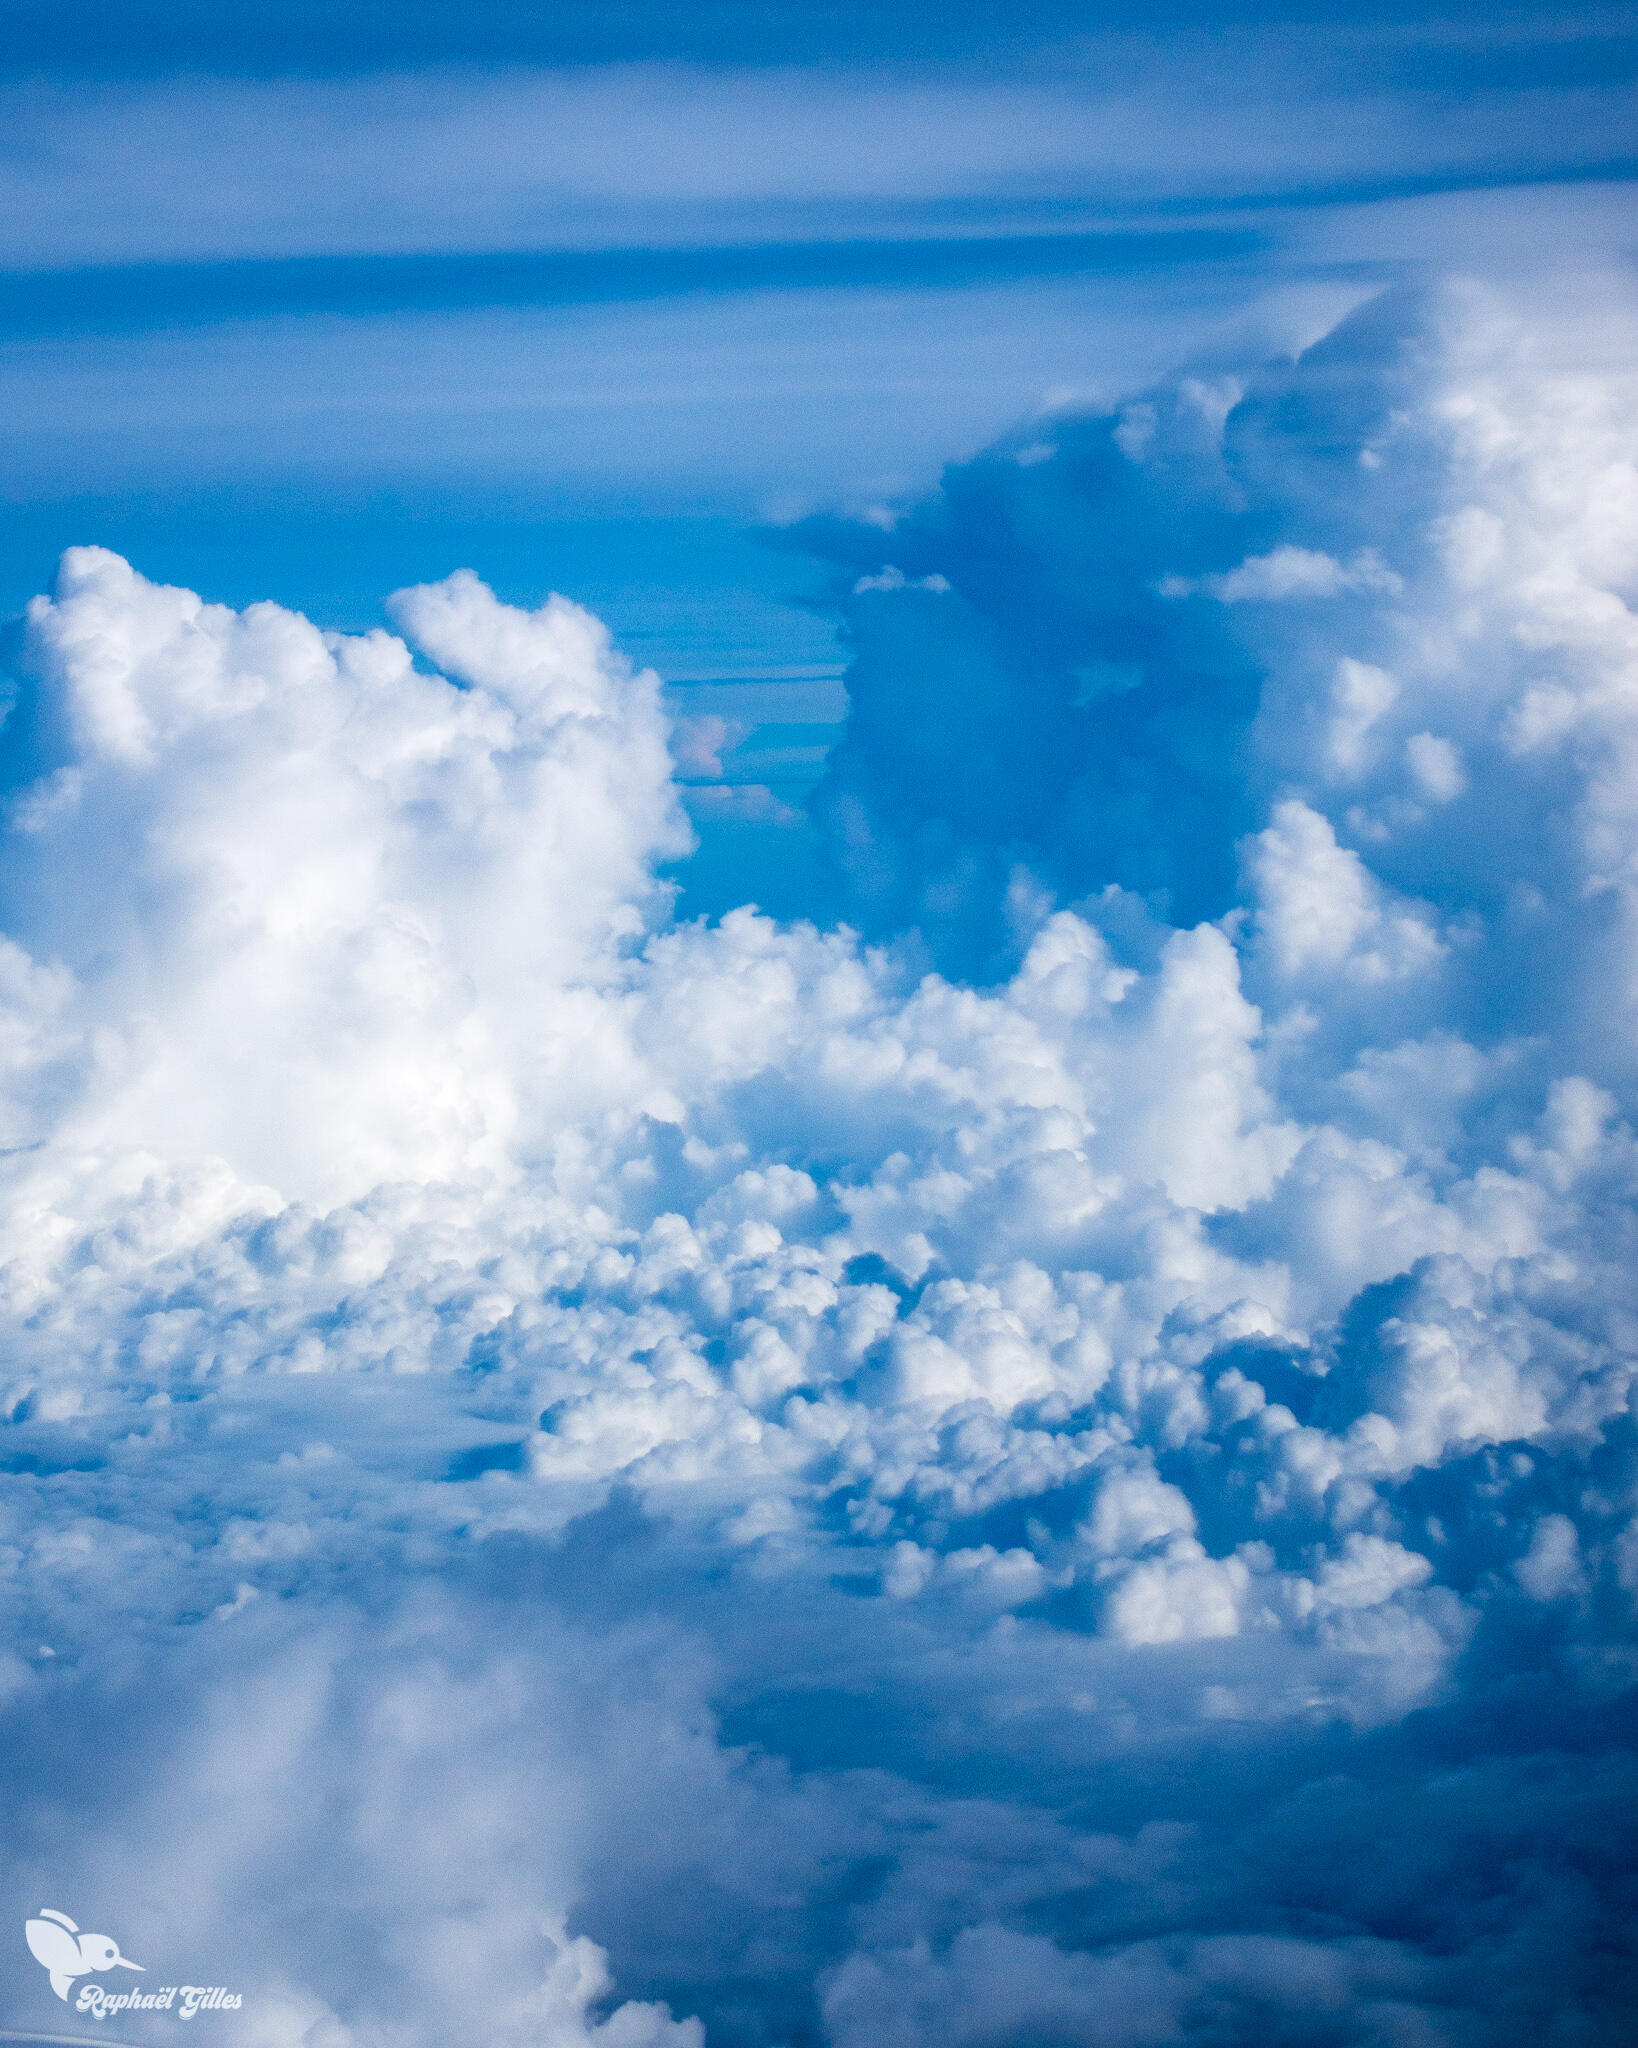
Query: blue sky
[[586, 297], [818, 941], [725, 267]]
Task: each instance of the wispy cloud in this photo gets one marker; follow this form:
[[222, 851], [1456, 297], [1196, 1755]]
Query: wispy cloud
[[635, 155]]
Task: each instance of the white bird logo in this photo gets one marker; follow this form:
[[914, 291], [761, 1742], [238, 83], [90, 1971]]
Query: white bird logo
[[58, 1944]]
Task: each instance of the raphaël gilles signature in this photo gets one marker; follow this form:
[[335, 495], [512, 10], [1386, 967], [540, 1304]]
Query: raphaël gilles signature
[[183, 1999], [57, 1944]]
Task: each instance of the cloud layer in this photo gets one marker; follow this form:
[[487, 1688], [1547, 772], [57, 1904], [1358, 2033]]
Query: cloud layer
[[1068, 130], [580, 1477]]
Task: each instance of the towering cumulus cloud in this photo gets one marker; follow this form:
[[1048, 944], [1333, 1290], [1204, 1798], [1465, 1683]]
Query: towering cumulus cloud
[[575, 1477]]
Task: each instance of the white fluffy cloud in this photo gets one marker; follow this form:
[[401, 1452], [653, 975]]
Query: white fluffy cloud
[[311, 900], [581, 1476]]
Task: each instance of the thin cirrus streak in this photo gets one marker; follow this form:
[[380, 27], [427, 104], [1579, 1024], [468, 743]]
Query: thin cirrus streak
[[131, 299], [1104, 128], [1043, 1453]]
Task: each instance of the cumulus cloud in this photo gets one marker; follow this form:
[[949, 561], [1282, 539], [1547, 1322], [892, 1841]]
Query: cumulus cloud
[[284, 873], [1289, 573], [1062, 1474]]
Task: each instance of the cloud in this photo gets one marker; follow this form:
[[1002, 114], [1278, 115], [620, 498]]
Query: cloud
[[688, 399], [396, 158], [576, 1476], [1287, 574], [282, 872]]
